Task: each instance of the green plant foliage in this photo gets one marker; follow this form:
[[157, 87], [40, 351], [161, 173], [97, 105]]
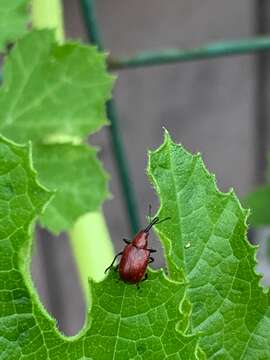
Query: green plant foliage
[[13, 20], [79, 178], [206, 239], [259, 203], [51, 90], [53, 94], [126, 322]]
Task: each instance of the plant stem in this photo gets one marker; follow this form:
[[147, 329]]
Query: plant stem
[[48, 14], [89, 237], [92, 246]]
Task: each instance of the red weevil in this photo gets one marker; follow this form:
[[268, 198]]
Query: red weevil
[[136, 256]]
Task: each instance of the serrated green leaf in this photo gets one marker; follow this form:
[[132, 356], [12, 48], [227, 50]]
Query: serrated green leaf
[[206, 238], [126, 322], [55, 94], [51, 90], [79, 180], [13, 20], [259, 203]]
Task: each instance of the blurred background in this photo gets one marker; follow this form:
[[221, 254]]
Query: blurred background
[[218, 107]]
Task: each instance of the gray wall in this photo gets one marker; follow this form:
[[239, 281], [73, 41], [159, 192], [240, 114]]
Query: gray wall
[[208, 106]]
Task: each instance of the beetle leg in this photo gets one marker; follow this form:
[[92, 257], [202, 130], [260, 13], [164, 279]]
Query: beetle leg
[[152, 250], [113, 261], [145, 277], [116, 267], [151, 259], [127, 241]]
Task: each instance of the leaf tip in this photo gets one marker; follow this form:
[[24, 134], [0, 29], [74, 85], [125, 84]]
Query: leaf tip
[[167, 136]]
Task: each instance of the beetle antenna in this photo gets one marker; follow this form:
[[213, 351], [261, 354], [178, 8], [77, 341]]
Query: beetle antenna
[[155, 221], [165, 219]]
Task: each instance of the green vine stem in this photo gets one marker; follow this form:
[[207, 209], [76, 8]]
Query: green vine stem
[[92, 246], [90, 240], [49, 14]]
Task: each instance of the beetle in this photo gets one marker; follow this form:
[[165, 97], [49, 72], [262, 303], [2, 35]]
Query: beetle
[[136, 256]]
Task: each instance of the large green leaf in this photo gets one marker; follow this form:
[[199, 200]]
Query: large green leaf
[[51, 91], [126, 322], [206, 239], [56, 94], [77, 176], [13, 20]]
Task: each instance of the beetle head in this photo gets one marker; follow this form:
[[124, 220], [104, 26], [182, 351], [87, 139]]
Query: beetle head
[[141, 239]]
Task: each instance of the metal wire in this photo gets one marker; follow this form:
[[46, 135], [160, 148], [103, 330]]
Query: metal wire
[[116, 141], [208, 51]]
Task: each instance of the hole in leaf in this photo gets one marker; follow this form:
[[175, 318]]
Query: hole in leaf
[[56, 279]]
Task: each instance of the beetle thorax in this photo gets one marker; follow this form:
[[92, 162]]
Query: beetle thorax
[[141, 239]]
